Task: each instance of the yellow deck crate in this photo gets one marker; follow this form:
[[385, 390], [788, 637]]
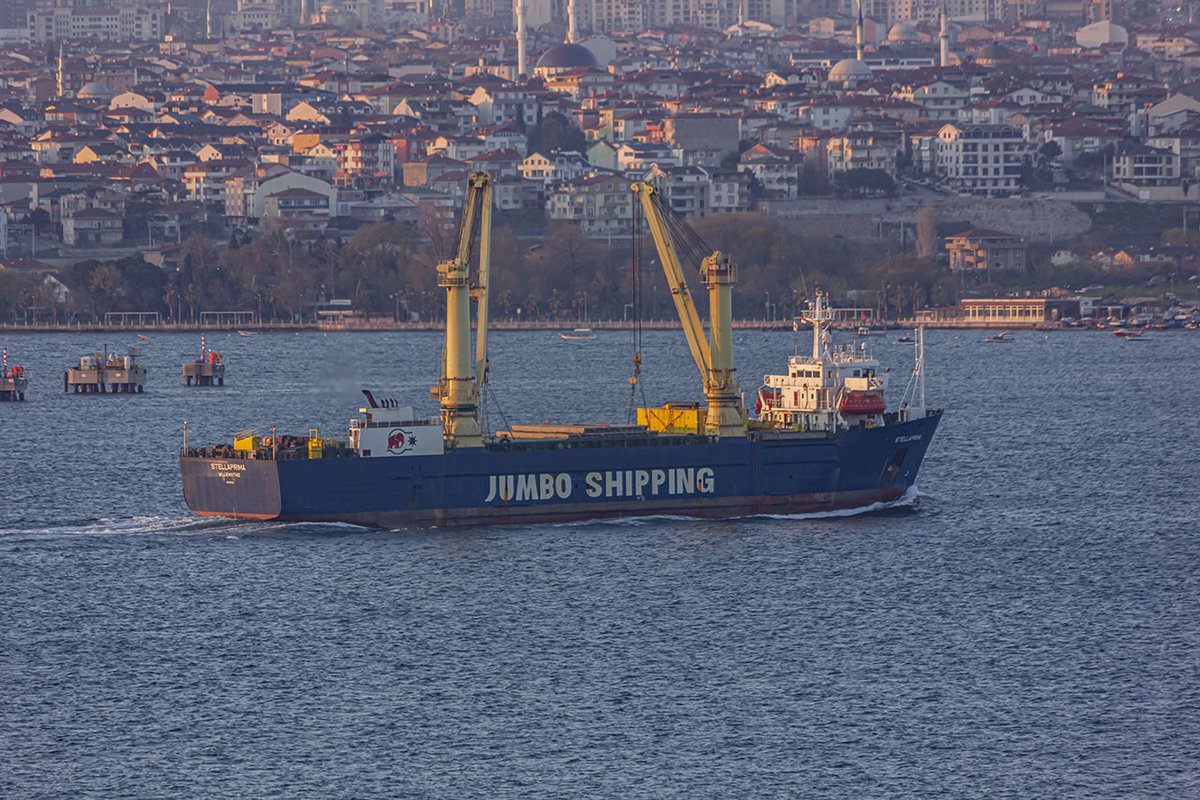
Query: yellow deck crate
[[247, 442], [671, 418]]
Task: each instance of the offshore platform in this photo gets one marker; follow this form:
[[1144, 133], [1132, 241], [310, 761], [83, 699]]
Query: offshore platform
[[106, 373], [13, 383], [208, 370]]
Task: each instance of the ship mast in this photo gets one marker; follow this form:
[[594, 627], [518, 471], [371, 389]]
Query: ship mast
[[713, 354], [820, 319], [458, 390]]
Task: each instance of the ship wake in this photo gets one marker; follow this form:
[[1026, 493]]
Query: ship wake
[[908, 500], [135, 526]]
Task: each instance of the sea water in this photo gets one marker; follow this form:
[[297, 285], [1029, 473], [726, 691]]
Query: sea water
[[1026, 626]]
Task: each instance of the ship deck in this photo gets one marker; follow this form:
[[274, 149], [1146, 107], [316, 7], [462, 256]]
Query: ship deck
[[544, 439]]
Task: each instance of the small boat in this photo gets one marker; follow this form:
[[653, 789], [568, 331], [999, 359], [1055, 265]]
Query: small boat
[[905, 339], [578, 333], [863, 330], [143, 338], [248, 333], [1129, 333], [1000, 337]]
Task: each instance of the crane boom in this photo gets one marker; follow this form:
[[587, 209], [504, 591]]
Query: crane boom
[[714, 359], [693, 330], [458, 389], [480, 293]]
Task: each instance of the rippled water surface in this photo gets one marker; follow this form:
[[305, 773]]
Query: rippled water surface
[[1028, 629]]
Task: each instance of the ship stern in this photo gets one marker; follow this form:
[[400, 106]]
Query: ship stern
[[237, 488]]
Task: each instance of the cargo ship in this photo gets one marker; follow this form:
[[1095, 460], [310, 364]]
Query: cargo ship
[[821, 438]]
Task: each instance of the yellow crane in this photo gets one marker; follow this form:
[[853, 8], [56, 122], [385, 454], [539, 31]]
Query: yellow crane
[[461, 384], [713, 354]]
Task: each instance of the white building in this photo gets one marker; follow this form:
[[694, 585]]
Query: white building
[[983, 160], [939, 100], [554, 168], [126, 22], [861, 150], [1148, 173]]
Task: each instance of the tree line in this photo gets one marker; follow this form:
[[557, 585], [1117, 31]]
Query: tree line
[[386, 269]]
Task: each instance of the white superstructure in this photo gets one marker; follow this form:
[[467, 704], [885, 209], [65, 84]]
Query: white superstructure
[[837, 386], [394, 431]]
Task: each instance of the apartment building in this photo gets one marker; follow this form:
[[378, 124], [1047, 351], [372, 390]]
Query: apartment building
[[601, 205], [861, 150], [1149, 173], [939, 100], [128, 22], [984, 160], [984, 251]]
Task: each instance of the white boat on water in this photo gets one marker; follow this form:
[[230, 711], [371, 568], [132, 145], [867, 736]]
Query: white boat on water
[[578, 333], [248, 333], [999, 338]]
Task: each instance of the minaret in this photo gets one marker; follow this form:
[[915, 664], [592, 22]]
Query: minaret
[[572, 32], [520, 38], [303, 12], [858, 34], [208, 20], [944, 41], [741, 17], [59, 81]]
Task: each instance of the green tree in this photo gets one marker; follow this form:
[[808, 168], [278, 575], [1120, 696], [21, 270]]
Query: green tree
[[1181, 236], [1050, 151], [197, 261], [142, 285], [865, 182], [104, 284], [555, 132]]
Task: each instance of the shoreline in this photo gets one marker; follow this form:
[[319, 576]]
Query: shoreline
[[897, 326]]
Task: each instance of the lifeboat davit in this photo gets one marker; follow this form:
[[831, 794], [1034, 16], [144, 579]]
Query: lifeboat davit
[[859, 403]]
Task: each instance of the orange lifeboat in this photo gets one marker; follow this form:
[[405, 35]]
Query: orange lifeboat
[[861, 403]]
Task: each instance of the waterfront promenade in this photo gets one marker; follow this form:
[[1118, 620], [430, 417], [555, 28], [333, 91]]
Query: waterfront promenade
[[376, 325]]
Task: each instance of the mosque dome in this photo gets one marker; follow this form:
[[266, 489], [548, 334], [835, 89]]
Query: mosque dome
[[94, 90], [850, 71], [903, 31], [567, 56]]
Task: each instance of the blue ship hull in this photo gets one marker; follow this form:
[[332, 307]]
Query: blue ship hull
[[559, 481]]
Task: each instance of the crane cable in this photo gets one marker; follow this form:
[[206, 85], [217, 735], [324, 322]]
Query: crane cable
[[691, 248], [634, 379]]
